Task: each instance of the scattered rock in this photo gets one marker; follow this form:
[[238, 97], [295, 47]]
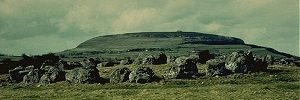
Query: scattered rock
[[126, 62], [297, 63], [269, 59], [162, 59], [17, 74], [184, 68], [52, 75], [216, 67], [171, 59], [239, 62], [72, 65], [149, 60], [83, 75], [32, 77], [260, 64], [89, 63], [287, 62], [152, 59], [106, 64], [142, 75], [202, 57], [120, 75]]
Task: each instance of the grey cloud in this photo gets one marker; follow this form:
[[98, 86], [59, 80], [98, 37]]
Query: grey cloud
[[262, 22]]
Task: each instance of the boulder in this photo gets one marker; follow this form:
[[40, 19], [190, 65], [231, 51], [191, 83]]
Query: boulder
[[239, 62], [17, 74], [297, 63], [106, 64], [153, 59], [149, 60], [183, 68], [216, 67], [171, 59], [65, 65], [83, 75], [32, 77], [260, 64], [120, 75], [52, 75], [195, 58], [287, 61], [162, 59], [126, 62], [71, 65], [89, 63], [269, 59], [202, 56], [142, 75]]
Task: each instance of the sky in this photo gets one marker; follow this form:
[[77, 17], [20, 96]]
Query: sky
[[43, 26]]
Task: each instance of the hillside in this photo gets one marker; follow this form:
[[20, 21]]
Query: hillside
[[173, 43]]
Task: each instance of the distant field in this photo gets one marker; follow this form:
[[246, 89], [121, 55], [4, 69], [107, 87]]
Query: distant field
[[279, 83]]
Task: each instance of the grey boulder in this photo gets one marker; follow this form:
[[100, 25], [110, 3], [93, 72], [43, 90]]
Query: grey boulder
[[216, 67], [142, 75], [32, 77], [52, 75], [239, 62], [83, 75], [183, 68], [120, 75]]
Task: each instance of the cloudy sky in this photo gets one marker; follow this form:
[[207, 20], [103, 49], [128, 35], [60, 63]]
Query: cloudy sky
[[42, 26]]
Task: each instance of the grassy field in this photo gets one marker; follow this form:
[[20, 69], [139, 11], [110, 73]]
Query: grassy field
[[279, 83]]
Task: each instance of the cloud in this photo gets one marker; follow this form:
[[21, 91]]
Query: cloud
[[262, 22], [135, 19]]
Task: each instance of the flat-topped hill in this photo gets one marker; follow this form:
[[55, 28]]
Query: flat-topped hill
[[174, 43]]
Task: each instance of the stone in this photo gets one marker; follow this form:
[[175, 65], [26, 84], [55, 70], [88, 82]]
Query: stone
[[162, 59], [52, 75], [120, 75], [71, 65], [184, 68], [16, 75], [83, 75], [32, 77], [142, 75], [126, 62], [216, 67], [239, 62], [152, 59], [297, 63], [269, 59], [149, 60], [260, 65], [89, 63], [106, 64]]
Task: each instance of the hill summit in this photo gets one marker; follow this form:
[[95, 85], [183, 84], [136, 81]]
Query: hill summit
[[173, 43]]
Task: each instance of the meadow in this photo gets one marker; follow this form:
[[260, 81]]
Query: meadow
[[279, 82]]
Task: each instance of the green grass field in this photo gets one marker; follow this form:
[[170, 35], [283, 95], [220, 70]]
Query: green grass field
[[279, 83]]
